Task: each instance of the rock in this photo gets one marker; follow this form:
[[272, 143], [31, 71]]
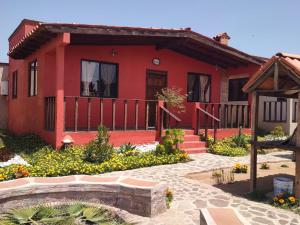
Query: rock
[[262, 220], [218, 202]]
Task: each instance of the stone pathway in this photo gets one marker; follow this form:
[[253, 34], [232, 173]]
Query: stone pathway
[[190, 196]]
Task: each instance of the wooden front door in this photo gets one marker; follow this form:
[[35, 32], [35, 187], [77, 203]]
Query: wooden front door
[[156, 81]]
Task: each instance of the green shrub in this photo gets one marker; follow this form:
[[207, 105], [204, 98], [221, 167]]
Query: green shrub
[[126, 147], [99, 150], [170, 142], [241, 140], [225, 148], [265, 166], [278, 131], [233, 146]]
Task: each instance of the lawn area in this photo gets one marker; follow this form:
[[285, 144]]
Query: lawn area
[[95, 158]]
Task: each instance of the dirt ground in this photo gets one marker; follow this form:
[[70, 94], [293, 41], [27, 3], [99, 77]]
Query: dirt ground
[[241, 183]]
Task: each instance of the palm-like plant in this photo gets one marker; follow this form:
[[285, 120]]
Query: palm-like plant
[[75, 213]]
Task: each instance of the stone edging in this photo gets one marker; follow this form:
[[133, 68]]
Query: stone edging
[[141, 197]]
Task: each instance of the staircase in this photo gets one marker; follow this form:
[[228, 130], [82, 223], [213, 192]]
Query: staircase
[[192, 143]]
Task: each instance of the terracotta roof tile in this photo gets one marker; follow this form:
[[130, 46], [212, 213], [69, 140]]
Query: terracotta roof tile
[[290, 60]]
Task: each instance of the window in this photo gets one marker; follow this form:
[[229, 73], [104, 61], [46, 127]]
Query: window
[[198, 89], [99, 79], [32, 79], [15, 84], [235, 92]]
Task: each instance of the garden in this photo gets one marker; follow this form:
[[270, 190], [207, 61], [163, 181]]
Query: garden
[[239, 145], [34, 158]]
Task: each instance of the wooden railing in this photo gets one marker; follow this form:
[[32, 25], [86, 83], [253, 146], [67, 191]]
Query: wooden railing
[[86, 113], [230, 115], [206, 116], [164, 117]]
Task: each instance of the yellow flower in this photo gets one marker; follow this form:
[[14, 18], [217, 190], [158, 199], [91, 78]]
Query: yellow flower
[[237, 165], [281, 201], [275, 199], [292, 199]]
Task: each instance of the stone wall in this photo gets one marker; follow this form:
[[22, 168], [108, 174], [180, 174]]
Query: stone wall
[[144, 198]]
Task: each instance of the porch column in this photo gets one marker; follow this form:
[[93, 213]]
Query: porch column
[[64, 39], [254, 123], [289, 115], [297, 172]]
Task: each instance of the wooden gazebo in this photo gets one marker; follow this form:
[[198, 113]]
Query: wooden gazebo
[[278, 77]]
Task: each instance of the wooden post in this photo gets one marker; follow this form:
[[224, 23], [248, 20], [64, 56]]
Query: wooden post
[[101, 111], [76, 114], [125, 114], [136, 114], [89, 115], [147, 115], [297, 172], [276, 77], [113, 114], [159, 125], [253, 159]]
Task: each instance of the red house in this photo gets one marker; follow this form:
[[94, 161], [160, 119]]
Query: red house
[[66, 79]]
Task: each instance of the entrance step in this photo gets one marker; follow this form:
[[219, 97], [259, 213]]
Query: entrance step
[[195, 150]]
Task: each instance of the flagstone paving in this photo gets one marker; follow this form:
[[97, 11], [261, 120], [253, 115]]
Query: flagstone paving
[[190, 196]]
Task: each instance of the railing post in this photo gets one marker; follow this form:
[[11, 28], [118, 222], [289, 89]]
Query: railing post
[[76, 114], [101, 111], [205, 123], [196, 118], [147, 115], [89, 115], [113, 114], [136, 114], [159, 125], [125, 114]]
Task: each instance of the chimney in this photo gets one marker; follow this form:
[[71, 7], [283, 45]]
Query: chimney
[[222, 38]]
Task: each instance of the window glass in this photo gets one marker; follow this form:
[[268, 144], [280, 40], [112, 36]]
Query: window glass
[[235, 92], [99, 79], [199, 86]]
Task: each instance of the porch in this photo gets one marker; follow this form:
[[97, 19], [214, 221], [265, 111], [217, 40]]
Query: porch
[[142, 121]]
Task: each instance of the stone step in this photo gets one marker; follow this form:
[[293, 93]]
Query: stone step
[[195, 150], [192, 144]]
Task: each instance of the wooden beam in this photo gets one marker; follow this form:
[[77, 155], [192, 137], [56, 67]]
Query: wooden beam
[[253, 157], [276, 76]]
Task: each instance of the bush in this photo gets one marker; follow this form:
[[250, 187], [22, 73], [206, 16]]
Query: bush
[[99, 150], [126, 147], [234, 146], [170, 142], [278, 131], [264, 166]]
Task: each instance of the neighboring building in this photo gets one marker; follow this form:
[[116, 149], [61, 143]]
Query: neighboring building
[[3, 94], [278, 109], [277, 112], [72, 77]]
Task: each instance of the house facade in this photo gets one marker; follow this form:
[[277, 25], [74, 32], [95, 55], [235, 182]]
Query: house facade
[[66, 79], [3, 94]]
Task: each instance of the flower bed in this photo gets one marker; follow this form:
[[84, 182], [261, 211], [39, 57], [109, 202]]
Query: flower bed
[[91, 159]]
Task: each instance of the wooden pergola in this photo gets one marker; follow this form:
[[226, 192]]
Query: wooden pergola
[[278, 77]]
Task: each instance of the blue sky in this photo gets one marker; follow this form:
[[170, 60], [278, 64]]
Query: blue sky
[[260, 27]]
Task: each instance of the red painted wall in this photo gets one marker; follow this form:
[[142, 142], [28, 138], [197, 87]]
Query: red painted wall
[[26, 114]]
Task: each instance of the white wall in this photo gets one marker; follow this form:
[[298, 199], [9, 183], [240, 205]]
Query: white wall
[[288, 126]]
